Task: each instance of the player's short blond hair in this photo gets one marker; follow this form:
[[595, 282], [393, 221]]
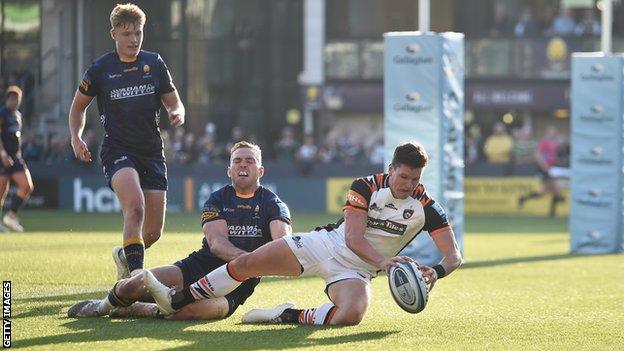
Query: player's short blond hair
[[248, 145], [127, 14]]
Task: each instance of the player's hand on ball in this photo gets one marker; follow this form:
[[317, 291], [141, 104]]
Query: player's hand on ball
[[394, 262], [176, 118], [81, 151], [430, 275]]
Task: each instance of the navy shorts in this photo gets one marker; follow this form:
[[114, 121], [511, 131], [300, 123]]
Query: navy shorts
[[202, 262], [18, 166], [152, 171]]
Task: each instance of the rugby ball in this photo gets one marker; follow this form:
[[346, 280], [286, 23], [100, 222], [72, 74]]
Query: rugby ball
[[408, 287]]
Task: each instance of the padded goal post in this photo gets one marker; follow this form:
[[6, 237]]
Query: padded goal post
[[597, 181], [424, 101]]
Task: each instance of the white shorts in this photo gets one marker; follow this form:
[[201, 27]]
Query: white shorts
[[318, 260]]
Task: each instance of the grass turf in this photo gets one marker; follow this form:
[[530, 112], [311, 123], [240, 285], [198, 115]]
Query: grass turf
[[519, 289]]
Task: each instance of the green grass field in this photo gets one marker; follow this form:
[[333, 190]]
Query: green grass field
[[519, 289]]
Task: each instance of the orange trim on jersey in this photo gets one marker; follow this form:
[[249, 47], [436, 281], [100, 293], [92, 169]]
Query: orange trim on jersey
[[233, 273], [440, 230], [379, 180], [425, 202], [358, 209], [418, 191]]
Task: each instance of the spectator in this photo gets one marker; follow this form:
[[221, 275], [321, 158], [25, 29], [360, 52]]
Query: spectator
[[588, 26], [526, 25], [286, 146], [377, 152], [563, 24], [206, 148], [307, 155], [523, 147], [472, 145], [348, 151], [498, 146], [58, 150], [32, 149], [177, 145], [189, 150], [328, 153], [502, 25]]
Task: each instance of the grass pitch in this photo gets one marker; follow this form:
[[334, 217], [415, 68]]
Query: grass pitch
[[519, 289]]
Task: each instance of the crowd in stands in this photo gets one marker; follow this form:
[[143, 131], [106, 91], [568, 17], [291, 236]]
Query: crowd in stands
[[184, 147], [563, 22], [513, 150]]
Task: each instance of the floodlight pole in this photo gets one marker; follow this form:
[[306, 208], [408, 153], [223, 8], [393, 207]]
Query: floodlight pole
[[424, 15], [606, 8]]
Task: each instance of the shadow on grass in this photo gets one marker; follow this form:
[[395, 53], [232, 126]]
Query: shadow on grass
[[71, 297], [271, 337], [525, 259]]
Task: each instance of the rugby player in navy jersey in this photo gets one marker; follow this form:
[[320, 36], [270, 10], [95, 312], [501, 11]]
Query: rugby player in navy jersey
[[382, 214], [12, 166], [236, 219], [130, 85]]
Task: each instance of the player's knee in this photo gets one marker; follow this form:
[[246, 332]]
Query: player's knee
[[243, 265], [135, 212], [348, 317], [130, 289]]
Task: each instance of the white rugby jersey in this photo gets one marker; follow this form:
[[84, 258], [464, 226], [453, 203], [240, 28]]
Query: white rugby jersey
[[391, 223]]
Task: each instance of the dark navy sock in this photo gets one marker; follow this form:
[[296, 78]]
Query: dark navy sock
[[134, 255]]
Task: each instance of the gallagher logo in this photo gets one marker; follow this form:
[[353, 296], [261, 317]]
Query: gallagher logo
[[597, 73], [412, 104], [596, 115], [410, 58]]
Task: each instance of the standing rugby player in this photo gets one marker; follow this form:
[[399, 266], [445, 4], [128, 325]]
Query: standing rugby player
[[130, 85], [12, 165]]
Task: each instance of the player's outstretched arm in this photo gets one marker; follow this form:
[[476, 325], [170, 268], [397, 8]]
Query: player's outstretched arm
[[175, 108], [217, 233], [76, 125]]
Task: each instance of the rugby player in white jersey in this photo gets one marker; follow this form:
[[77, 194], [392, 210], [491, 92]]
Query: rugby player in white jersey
[[382, 214]]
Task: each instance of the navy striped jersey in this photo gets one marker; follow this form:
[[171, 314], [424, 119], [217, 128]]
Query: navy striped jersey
[[10, 127], [128, 98], [247, 218]]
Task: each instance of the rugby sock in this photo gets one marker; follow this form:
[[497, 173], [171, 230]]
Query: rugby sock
[[219, 282], [135, 253], [317, 316], [114, 300], [16, 203]]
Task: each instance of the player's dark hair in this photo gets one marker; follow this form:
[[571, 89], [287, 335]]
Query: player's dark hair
[[127, 14], [247, 145], [411, 154]]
